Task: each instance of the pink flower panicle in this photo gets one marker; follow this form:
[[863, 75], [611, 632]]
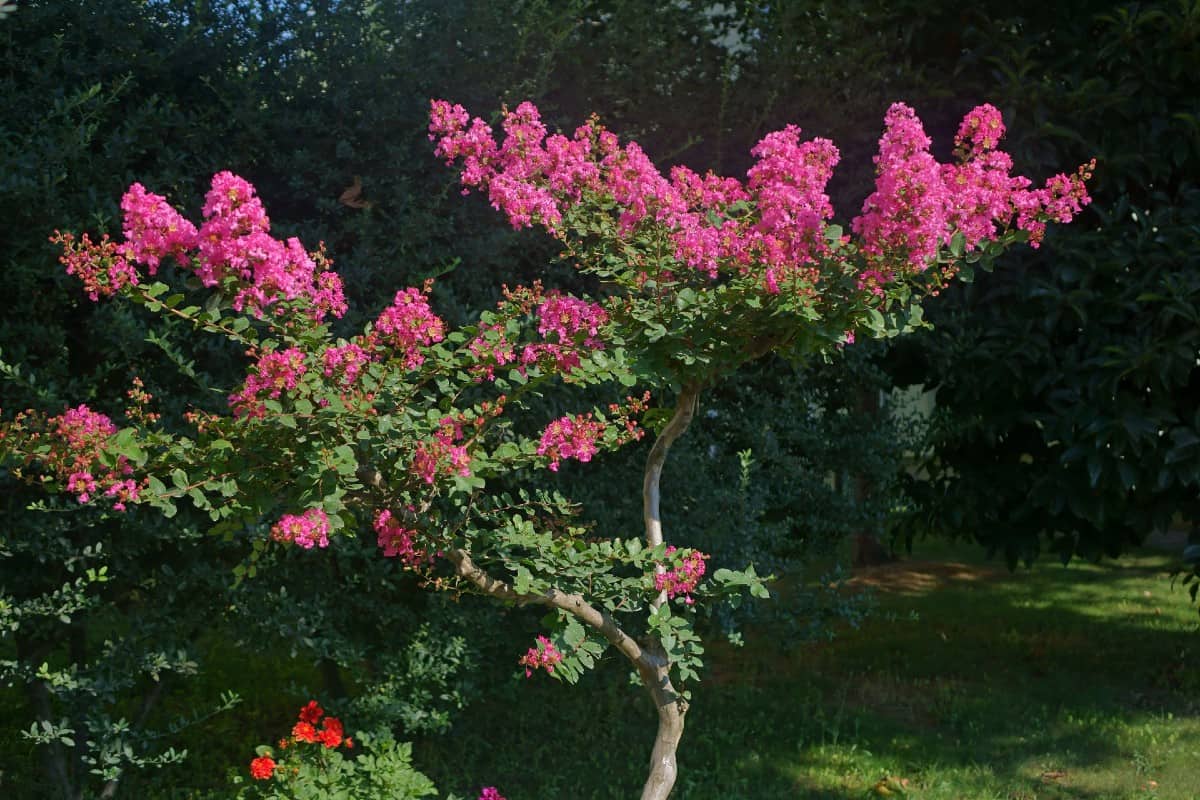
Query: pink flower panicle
[[307, 530], [682, 579], [397, 541], [77, 441], [772, 226], [568, 317], [275, 373], [979, 132], [345, 363], [570, 437], [905, 217], [441, 455], [153, 230], [1059, 200], [490, 349], [490, 793], [544, 656], [408, 325], [102, 266]]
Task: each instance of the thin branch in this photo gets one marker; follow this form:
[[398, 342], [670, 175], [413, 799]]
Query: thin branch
[[573, 604]]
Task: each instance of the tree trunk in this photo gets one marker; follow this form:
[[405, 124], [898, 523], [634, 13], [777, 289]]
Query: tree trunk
[[671, 710], [671, 707], [55, 762]]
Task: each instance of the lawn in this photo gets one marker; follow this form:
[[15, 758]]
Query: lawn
[[967, 681]]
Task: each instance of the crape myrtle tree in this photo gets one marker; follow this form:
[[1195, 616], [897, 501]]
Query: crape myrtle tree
[[427, 436]]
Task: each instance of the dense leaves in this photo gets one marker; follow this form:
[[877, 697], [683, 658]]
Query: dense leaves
[[1069, 379]]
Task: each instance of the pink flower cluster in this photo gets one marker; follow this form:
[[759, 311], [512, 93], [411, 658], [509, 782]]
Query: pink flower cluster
[[397, 541], [235, 243], [345, 363], [101, 265], [153, 230], [83, 434], [442, 455], [490, 793], [919, 204], [773, 225], [544, 656], [308, 530], [906, 214], [409, 324], [534, 178], [568, 317], [233, 248], [682, 579], [570, 437], [491, 349], [274, 373]]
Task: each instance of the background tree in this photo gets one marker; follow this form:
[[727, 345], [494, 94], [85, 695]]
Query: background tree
[[1068, 382]]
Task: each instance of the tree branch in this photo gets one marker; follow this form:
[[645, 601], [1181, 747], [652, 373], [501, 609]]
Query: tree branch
[[573, 604]]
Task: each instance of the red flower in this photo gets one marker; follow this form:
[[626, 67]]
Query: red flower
[[311, 713], [304, 732], [331, 735], [262, 768]]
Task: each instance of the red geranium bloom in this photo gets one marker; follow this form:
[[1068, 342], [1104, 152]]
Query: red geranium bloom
[[311, 713], [262, 768], [304, 732]]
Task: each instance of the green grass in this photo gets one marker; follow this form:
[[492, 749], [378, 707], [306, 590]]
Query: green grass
[[967, 681], [1078, 682]]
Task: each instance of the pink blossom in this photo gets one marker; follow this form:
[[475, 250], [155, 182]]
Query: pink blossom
[[544, 656], [307, 530], [345, 362], [905, 217], [79, 437], [153, 230], [102, 266], [274, 373], [82, 485], [397, 541], [1059, 200], [328, 296], [570, 437], [772, 227], [491, 349], [442, 455], [567, 317], [682, 579], [788, 186], [409, 324], [980, 131], [490, 793], [235, 243], [124, 491]]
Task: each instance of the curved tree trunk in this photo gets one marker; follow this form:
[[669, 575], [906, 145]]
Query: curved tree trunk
[[671, 707]]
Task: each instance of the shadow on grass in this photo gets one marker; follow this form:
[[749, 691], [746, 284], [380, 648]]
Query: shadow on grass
[[1039, 684]]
